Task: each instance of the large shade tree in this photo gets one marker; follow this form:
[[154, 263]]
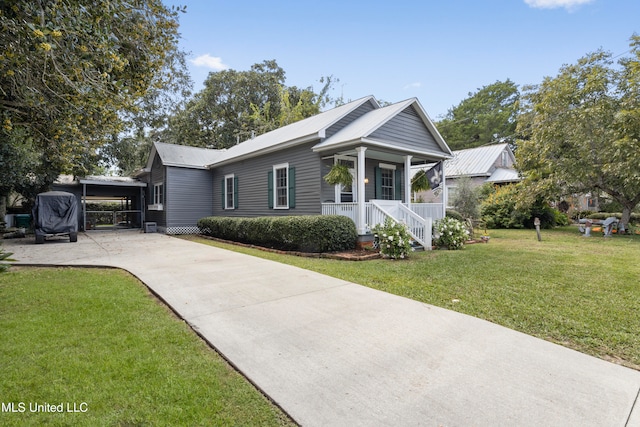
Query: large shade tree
[[581, 130], [487, 116], [68, 70], [234, 105]]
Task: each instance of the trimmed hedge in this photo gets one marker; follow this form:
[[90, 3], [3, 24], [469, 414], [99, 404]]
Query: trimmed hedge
[[310, 233]]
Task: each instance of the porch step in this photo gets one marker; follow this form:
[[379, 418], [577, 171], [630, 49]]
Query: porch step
[[416, 246]]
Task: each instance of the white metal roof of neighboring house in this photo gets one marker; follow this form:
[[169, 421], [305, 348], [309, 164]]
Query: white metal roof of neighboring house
[[183, 156], [501, 175], [308, 129], [119, 181], [364, 126], [474, 161]]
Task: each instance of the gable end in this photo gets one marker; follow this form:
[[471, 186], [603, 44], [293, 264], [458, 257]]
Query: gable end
[[407, 129]]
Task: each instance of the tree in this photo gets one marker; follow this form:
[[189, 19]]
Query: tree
[[466, 199], [582, 131], [68, 69], [485, 117], [235, 105], [127, 151]]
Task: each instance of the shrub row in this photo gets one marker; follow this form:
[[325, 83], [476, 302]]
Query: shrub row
[[313, 233]]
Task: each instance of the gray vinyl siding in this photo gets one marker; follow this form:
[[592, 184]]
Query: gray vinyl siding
[[157, 175], [407, 130], [188, 196], [253, 184], [359, 112], [328, 191]]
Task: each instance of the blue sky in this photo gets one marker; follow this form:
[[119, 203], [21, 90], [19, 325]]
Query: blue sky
[[437, 51]]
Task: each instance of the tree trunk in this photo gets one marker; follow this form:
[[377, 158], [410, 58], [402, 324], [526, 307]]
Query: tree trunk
[[3, 207], [626, 215]]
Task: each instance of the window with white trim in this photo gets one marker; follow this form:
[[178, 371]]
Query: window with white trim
[[347, 193], [229, 182], [387, 183], [158, 194], [281, 186]]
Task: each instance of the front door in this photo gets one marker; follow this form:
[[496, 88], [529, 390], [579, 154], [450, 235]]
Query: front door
[[347, 193]]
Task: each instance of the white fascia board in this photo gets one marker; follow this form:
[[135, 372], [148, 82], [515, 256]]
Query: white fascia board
[[266, 150], [388, 146], [113, 183]]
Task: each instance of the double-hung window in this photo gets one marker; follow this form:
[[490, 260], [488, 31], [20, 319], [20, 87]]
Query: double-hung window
[[282, 187], [158, 193], [387, 183], [230, 192]]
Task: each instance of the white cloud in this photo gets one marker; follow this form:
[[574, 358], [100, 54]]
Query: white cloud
[[213, 62], [554, 4], [413, 86]]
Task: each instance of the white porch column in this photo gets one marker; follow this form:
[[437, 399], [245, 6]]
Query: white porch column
[[361, 194], [407, 180]]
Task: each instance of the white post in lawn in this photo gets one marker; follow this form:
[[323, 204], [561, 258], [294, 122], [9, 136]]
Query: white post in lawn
[[360, 225], [407, 180]]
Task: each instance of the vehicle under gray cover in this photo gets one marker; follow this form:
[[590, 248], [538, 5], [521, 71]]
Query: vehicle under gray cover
[[55, 213]]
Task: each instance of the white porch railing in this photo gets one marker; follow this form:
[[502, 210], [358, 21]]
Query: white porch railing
[[420, 227], [428, 210]]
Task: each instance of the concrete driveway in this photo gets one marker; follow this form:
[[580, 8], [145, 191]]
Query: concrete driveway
[[333, 353]]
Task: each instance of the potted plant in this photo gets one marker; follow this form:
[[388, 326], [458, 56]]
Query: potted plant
[[420, 182], [339, 174]]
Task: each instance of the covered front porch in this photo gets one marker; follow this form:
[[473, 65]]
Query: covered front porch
[[380, 149], [419, 217], [380, 189]]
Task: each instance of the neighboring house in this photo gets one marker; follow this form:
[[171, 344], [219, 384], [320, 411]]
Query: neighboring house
[[281, 172], [488, 164]]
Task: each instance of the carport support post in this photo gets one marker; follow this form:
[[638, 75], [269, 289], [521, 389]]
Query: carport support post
[[84, 207]]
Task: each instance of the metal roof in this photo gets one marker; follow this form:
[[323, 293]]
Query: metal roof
[[185, 156], [504, 175], [309, 129], [474, 161]]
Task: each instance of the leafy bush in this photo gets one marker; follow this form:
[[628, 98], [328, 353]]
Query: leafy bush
[[393, 239], [454, 214], [450, 233], [466, 200], [313, 233], [500, 210]]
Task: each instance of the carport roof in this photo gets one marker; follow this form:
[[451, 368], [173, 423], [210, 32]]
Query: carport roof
[[100, 180]]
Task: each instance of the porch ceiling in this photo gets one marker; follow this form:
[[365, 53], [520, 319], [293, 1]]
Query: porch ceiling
[[390, 156]]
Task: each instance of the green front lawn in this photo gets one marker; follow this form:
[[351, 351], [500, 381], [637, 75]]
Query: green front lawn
[[97, 342], [583, 293]]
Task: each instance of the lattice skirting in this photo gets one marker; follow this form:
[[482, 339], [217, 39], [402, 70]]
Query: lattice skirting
[[182, 230]]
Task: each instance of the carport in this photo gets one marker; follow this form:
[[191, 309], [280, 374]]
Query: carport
[[106, 202]]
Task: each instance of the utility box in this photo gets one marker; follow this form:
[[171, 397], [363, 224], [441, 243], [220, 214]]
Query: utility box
[[22, 220], [150, 227]]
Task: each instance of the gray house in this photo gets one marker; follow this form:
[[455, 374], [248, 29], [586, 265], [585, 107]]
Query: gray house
[[493, 164], [281, 172]]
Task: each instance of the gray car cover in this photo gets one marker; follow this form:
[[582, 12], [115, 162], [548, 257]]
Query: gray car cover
[[56, 212]]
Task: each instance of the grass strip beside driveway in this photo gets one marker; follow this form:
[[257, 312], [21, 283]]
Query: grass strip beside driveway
[[98, 343]]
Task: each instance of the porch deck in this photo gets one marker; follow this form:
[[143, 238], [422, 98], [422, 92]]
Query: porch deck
[[419, 217]]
